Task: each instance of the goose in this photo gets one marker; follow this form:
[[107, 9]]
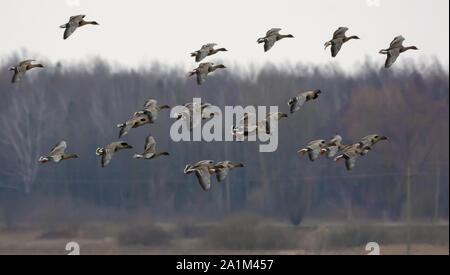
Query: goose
[[133, 122], [206, 50], [75, 22], [108, 151], [271, 117], [296, 102], [338, 39], [150, 147], [57, 153], [314, 149], [22, 68], [203, 170], [203, 70], [225, 167], [395, 49], [151, 110], [369, 141], [272, 36], [333, 146], [350, 153], [188, 115], [247, 126]]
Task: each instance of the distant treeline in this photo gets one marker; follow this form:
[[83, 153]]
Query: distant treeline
[[83, 104]]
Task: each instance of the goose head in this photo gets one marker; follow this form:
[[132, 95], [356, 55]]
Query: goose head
[[43, 159], [99, 151]]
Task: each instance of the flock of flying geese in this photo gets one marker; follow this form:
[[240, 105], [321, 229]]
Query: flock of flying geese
[[245, 127]]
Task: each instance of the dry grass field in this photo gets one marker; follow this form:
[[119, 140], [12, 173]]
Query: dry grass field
[[238, 235]]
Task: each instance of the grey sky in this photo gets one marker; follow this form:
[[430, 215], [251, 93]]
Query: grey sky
[[136, 32]]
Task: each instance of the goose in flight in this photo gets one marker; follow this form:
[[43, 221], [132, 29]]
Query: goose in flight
[[133, 122], [247, 126], [203, 170], [151, 110], [270, 117], [57, 153], [314, 149], [369, 141], [75, 22], [350, 153], [333, 146], [22, 68], [296, 102], [150, 150], [206, 50], [272, 36], [395, 49], [225, 167], [338, 39], [108, 151], [203, 70], [188, 114]]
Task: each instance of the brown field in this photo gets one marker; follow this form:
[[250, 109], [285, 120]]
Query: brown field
[[226, 238]]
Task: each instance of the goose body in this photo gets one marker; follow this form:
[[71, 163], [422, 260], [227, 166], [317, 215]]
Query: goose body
[[333, 146], [203, 171], [314, 149], [150, 150], [133, 122], [339, 38], [296, 102], [273, 35], [223, 168], [369, 141], [395, 49], [57, 153], [270, 118], [108, 151], [247, 126], [188, 115], [22, 68], [75, 22], [203, 70], [350, 153], [206, 50], [151, 110]]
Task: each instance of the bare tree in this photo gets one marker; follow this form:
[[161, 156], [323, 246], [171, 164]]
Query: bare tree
[[28, 119]]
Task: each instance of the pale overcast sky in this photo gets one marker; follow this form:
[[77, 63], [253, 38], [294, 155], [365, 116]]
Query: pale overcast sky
[[137, 32]]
